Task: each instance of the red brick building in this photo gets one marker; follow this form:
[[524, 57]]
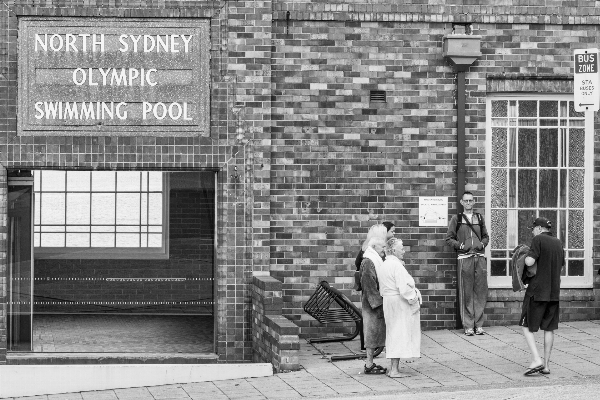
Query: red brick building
[[307, 123]]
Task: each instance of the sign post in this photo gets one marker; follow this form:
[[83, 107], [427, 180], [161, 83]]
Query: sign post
[[586, 80]]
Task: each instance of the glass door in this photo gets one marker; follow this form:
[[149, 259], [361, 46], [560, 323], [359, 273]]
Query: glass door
[[20, 263]]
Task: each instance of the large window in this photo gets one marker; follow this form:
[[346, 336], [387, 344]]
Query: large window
[[539, 163], [85, 214]]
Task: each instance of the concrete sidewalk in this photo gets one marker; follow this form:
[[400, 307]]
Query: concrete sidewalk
[[450, 360]]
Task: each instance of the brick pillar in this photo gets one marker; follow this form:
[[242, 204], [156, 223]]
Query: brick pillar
[[3, 266], [274, 338]]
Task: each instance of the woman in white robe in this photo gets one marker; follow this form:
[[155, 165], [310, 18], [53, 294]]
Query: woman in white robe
[[401, 304]]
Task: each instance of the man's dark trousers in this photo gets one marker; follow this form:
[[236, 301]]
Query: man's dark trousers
[[473, 290]]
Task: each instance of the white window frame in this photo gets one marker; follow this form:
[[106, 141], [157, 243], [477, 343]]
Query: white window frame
[[567, 282], [119, 253]]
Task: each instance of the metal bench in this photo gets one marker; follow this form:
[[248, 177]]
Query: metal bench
[[328, 305]]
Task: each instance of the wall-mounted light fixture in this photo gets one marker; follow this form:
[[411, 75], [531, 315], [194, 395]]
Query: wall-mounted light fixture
[[462, 49]]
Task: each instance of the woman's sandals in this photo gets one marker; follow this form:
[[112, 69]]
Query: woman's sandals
[[375, 369]]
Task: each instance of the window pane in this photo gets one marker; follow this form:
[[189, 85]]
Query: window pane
[[52, 228], [499, 147], [550, 215], [144, 208], [573, 113], [75, 228], [549, 108], [525, 219], [128, 181], [103, 208], [527, 108], [563, 188], [155, 181], [576, 188], [527, 147], [561, 229], [154, 240], [128, 228], [512, 229], [499, 188], [52, 239], [103, 239], [499, 108], [576, 229], [36, 209], [155, 209], [576, 147], [53, 181], [575, 267], [103, 181], [78, 240], [53, 208], [497, 229], [37, 175], [548, 188], [512, 147], [548, 147], [78, 181], [498, 268], [78, 208], [144, 181], [512, 188], [128, 208], [549, 122], [527, 187], [128, 240], [103, 228]]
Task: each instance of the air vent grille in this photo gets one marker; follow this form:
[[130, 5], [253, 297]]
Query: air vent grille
[[377, 96]]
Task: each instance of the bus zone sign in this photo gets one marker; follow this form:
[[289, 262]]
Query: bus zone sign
[[586, 78]]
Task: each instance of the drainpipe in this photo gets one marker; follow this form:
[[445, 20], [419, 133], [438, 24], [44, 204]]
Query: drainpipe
[[462, 50]]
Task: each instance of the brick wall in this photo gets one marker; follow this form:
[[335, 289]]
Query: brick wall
[[274, 337], [341, 162]]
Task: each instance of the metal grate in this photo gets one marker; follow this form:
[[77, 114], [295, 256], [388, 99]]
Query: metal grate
[[377, 96]]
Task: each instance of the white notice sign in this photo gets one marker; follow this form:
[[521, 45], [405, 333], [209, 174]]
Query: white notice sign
[[433, 211], [587, 95]]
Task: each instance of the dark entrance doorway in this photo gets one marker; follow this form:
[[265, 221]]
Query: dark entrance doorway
[[123, 262]]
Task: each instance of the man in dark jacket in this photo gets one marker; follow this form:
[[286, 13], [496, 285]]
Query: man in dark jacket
[[468, 236], [540, 305]]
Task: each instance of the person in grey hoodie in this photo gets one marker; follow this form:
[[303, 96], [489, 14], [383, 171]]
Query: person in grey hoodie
[[468, 236]]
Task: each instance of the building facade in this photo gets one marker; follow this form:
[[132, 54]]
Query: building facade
[[299, 125]]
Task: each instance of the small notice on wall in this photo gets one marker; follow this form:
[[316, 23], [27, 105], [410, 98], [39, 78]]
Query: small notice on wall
[[433, 211]]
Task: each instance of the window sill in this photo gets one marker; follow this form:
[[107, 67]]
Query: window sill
[[565, 295]]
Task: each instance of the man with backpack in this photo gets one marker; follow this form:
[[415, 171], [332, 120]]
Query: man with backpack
[[468, 236]]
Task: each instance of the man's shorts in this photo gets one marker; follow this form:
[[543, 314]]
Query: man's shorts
[[538, 315]]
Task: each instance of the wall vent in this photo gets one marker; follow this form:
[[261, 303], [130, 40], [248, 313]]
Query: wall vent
[[377, 96]]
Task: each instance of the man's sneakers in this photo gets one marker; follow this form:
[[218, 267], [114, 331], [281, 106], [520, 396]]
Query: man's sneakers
[[476, 331]]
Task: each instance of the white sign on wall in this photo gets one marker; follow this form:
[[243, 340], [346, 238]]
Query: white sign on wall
[[586, 77], [433, 211]]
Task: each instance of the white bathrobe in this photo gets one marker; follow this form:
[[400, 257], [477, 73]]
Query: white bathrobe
[[401, 303]]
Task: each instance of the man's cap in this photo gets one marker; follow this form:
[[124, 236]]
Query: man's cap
[[541, 221]]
